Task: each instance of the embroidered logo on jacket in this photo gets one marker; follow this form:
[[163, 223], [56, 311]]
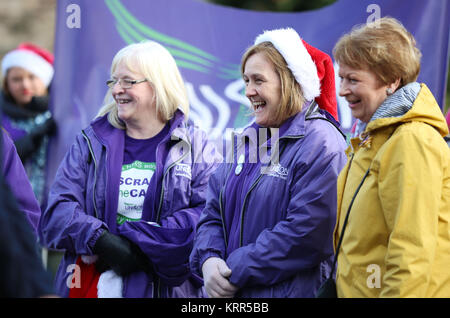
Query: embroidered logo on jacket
[[183, 170], [278, 171]]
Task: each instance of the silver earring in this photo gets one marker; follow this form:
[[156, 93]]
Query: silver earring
[[389, 91]]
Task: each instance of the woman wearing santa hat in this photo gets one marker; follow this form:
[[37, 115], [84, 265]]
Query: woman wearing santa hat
[[27, 73], [266, 230]]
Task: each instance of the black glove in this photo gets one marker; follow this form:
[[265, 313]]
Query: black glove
[[28, 144], [119, 254], [101, 266]]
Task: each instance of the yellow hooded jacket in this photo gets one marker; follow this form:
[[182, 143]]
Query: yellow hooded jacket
[[397, 240]]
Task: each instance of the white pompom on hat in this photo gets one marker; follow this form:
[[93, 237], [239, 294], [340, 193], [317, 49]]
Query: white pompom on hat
[[31, 58]]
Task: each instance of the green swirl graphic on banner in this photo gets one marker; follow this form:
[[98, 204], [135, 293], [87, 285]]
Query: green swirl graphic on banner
[[131, 30]]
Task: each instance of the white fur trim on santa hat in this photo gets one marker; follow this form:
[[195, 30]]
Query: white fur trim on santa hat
[[31, 62], [109, 285], [289, 44]]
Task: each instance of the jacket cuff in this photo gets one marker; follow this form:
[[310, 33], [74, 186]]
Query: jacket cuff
[[94, 239], [237, 270], [203, 259]]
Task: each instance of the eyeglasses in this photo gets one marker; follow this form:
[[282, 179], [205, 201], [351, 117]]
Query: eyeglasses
[[124, 82]]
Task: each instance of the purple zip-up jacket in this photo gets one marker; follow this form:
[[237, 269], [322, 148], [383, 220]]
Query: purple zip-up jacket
[[287, 218], [18, 181], [84, 197]]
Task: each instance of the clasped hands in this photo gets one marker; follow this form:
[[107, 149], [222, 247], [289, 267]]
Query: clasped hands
[[215, 275]]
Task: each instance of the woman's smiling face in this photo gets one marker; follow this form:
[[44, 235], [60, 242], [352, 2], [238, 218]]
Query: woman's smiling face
[[263, 89], [136, 105], [362, 90]]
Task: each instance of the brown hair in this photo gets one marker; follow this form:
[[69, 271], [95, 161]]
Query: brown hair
[[383, 47], [291, 93]]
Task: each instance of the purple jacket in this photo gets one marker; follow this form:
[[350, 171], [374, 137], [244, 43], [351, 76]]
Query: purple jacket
[[84, 197], [287, 217], [17, 180]]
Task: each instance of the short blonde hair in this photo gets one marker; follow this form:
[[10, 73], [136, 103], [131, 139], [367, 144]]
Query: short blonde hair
[[383, 47], [158, 66], [292, 99]]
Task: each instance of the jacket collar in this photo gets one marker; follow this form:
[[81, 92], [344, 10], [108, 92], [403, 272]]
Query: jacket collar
[[178, 127], [294, 125], [395, 105], [424, 109]]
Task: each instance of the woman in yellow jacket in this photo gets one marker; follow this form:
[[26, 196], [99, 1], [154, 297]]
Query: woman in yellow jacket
[[397, 239]]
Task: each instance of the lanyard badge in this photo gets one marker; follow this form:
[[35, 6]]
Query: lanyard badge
[[239, 166]]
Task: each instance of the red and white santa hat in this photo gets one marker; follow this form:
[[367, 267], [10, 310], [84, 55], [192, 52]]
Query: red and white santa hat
[[31, 58], [312, 68], [89, 283]]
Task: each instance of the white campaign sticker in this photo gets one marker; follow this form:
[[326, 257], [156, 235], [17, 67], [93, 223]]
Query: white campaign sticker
[[134, 182]]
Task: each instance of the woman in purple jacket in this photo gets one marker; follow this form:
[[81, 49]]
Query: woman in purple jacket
[[129, 192], [266, 230]]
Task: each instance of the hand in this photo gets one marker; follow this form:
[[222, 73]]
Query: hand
[[119, 254], [215, 275]]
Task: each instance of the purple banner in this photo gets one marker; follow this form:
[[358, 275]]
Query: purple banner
[[207, 42]]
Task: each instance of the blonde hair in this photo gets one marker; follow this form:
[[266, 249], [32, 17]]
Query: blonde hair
[[383, 47], [292, 99], [158, 66]]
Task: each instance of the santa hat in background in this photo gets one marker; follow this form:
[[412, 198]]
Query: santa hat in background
[[31, 58], [93, 284], [312, 68]]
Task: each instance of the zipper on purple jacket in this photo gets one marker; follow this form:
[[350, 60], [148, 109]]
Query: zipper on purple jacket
[[157, 286], [222, 214], [91, 151], [241, 234]]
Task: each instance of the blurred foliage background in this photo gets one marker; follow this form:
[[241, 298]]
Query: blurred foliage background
[[27, 20]]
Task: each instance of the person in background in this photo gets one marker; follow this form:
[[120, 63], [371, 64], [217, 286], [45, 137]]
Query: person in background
[[27, 73], [266, 230], [397, 239], [129, 192]]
